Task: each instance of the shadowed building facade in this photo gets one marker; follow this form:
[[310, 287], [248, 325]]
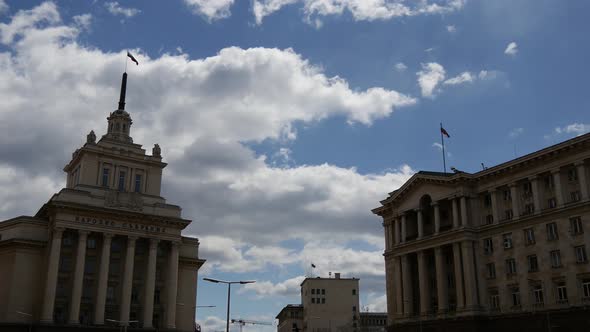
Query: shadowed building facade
[[504, 248], [105, 248]]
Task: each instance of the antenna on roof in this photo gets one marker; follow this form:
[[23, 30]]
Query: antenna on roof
[[483, 167]]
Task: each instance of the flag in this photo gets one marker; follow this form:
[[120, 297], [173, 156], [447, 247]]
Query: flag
[[132, 58], [313, 265], [444, 132]]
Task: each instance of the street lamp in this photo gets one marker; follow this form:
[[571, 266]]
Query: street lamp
[[229, 283]]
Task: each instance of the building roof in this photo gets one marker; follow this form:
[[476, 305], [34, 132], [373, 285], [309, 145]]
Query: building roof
[[333, 278], [288, 307]]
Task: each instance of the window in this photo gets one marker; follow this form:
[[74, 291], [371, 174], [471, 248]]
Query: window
[[91, 244], [561, 292], [552, 202], [586, 288], [581, 254], [65, 264], [488, 246], [572, 174], [549, 182], [510, 266], [527, 188], [515, 296], [121, 181], [507, 195], [552, 231], [575, 196], [508, 214], [491, 269], [353, 308], [313, 300], [90, 265], [538, 294], [354, 292], [507, 240], [323, 300], [489, 219], [529, 236], [105, 177], [494, 299], [110, 294], [555, 258], [533, 263], [487, 200], [134, 295], [67, 240], [323, 291], [313, 291], [576, 226], [157, 296], [529, 208], [137, 183]]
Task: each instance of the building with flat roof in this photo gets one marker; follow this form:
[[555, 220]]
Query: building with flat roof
[[290, 318], [504, 248], [107, 249]]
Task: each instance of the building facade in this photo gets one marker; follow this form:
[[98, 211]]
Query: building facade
[[107, 249], [507, 245], [373, 321], [290, 318]]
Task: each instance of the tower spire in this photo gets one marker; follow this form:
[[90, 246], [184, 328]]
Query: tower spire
[[123, 91]]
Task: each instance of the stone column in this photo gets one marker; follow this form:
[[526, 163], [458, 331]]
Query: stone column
[[557, 187], [103, 278], [515, 201], [455, 213], [494, 198], [404, 219], [424, 285], [441, 281], [469, 275], [420, 219], [150, 285], [458, 275], [78, 278], [390, 285], [464, 215], [172, 286], [386, 233], [51, 279], [396, 223], [127, 281], [536, 194], [582, 178], [398, 287], [436, 207], [408, 298]]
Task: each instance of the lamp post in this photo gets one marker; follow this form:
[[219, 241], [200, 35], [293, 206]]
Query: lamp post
[[229, 283]]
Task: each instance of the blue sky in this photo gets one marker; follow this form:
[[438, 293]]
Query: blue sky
[[285, 121]]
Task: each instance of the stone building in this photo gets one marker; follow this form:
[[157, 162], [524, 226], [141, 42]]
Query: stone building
[[503, 248], [107, 249], [290, 318]]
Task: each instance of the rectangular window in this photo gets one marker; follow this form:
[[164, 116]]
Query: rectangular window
[[323, 291], [491, 269], [105, 177], [515, 295], [91, 243], [137, 183], [572, 174], [527, 187], [575, 196], [494, 300], [487, 200], [323, 300], [510, 266], [507, 240], [533, 263], [110, 294], [586, 288], [508, 214], [549, 181], [488, 246], [529, 209], [313, 300], [121, 181], [529, 236], [538, 294], [576, 226], [313, 291], [353, 308], [354, 292], [507, 195], [581, 254], [555, 258], [552, 203], [561, 293], [552, 231], [489, 219]]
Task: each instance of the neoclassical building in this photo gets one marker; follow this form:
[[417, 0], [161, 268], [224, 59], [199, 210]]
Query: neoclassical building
[[505, 248], [107, 249]]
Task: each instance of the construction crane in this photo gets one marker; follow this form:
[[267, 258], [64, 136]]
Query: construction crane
[[242, 322]]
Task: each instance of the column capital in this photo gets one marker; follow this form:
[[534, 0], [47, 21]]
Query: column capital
[[579, 163], [512, 185], [174, 243], [132, 240], [154, 243], [492, 190], [533, 177], [58, 231], [108, 235], [417, 210], [555, 170], [434, 203], [83, 232]]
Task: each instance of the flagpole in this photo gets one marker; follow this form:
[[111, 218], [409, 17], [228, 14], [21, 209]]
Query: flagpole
[[126, 60], [442, 140]]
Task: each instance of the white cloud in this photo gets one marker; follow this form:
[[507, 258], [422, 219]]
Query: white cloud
[[212, 323], [514, 133], [511, 49], [464, 77], [361, 10], [82, 21], [574, 128], [3, 6], [429, 77], [451, 28], [116, 9], [211, 9], [376, 302], [290, 287], [400, 66], [24, 20]]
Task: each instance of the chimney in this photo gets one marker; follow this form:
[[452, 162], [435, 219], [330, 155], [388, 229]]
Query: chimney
[[337, 275]]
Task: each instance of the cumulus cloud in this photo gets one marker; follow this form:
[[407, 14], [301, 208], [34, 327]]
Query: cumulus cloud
[[400, 66], [210, 9], [574, 128], [290, 287], [429, 77], [514, 133], [464, 77], [451, 28], [116, 9], [3, 6], [511, 49], [361, 10]]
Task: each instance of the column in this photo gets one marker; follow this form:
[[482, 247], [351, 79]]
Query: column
[[103, 278], [455, 213], [458, 275], [78, 278], [404, 219], [127, 281], [469, 274], [557, 184], [515, 200], [172, 286], [420, 219], [398, 287], [464, 216], [494, 197], [423, 281], [441, 281], [436, 207], [582, 178], [150, 285], [390, 284], [408, 298], [396, 222], [51, 279], [536, 194], [386, 233]]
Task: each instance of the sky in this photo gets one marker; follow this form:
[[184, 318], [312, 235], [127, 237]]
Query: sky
[[284, 122]]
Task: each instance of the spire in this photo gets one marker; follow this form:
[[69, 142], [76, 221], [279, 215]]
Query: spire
[[123, 90]]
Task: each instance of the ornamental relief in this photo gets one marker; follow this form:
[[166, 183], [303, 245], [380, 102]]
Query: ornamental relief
[[128, 200]]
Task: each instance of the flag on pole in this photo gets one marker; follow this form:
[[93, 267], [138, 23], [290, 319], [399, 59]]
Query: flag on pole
[[313, 265], [444, 132], [132, 58]]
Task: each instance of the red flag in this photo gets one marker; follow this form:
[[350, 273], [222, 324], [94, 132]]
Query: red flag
[[444, 132], [132, 58]]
